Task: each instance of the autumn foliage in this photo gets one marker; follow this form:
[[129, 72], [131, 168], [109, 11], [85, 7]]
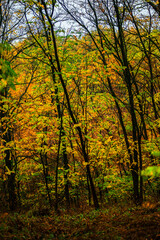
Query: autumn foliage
[[80, 118]]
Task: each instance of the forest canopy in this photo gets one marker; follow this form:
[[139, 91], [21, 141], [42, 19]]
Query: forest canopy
[[79, 103]]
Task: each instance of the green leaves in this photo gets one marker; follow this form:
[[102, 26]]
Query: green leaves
[[155, 153], [153, 171], [7, 75]]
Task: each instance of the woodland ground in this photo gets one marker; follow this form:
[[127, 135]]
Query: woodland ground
[[114, 222]]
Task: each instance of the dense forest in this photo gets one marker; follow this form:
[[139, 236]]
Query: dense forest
[[79, 119]]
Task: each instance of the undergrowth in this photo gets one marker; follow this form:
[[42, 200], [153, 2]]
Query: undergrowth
[[112, 222]]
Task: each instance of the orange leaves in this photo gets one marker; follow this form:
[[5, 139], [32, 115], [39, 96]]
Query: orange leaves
[[40, 5]]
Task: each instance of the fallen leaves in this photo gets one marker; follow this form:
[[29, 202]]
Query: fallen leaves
[[116, 222]]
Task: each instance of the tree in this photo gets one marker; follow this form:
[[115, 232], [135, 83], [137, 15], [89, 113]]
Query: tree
[[46, 19], [8, 23], [114, 16], [155, 5], [7, 81]]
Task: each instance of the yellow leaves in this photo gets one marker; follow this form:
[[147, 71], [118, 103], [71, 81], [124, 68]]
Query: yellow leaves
[[108, 140], [103, 151], [8, 171], [85, 163], [158, 122], [157, 97], [77, 125], [40, 5], [3, 84]]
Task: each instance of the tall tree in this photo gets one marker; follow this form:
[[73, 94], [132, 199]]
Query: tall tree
[[46, 19], [9, 32], [111, 16]]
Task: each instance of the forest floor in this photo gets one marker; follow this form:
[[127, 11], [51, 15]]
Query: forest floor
[[113, 223]]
